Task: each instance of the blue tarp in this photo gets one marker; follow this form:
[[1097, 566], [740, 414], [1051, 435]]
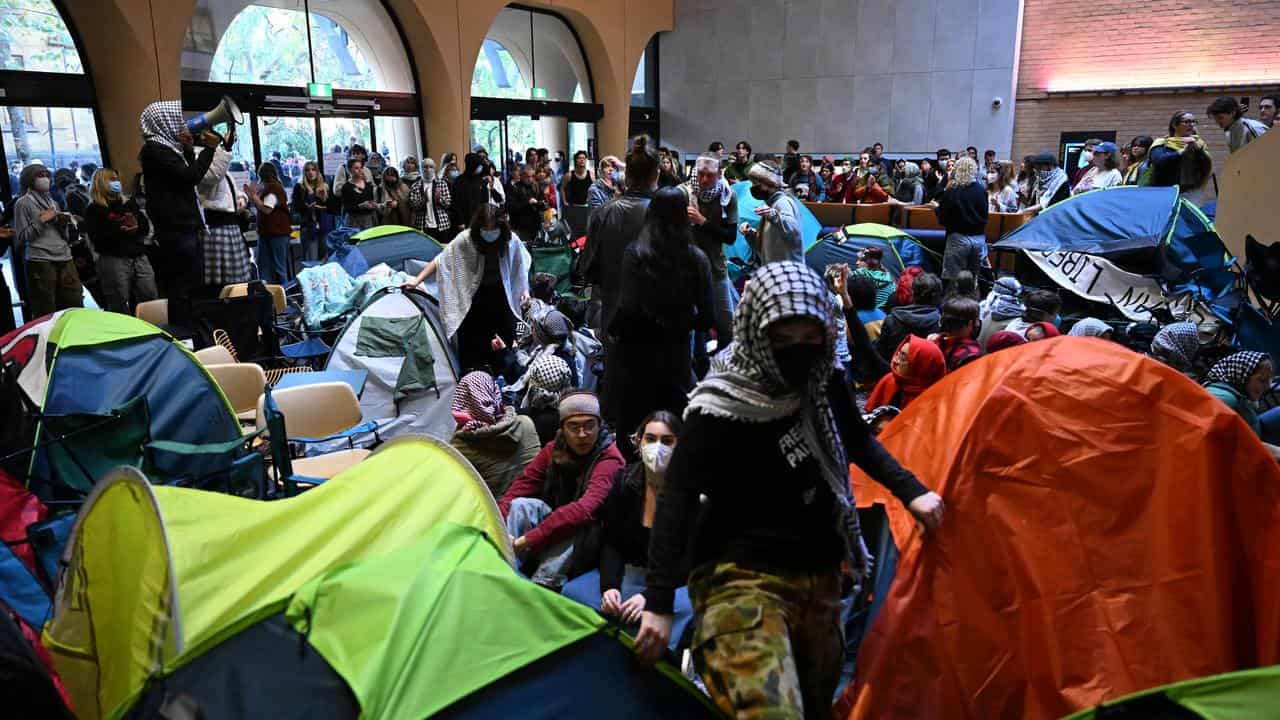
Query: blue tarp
[[1100, 222], [394, 248], [740, 253], [832, 249]]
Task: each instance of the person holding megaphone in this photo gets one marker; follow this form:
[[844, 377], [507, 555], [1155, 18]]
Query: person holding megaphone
[[171, 171]]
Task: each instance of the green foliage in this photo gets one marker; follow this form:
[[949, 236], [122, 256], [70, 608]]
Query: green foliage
[[34, 37], [269, 46]]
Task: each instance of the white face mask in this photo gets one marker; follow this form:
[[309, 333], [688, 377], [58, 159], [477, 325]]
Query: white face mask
[[991, 178], [656, 457], [42, 184]]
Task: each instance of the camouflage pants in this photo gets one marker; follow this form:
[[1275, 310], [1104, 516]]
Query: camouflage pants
[[767, 646]]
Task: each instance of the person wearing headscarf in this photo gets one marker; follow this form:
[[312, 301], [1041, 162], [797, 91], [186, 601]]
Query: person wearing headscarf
[[915, 367], [617, 588], [40, 239], [496, 440], [921, 318], [484, 282], [172, 171], [548, 376], [430, 198], [778, 237], [552, 507], [902, 293], [775, 516], [1041, 331], [666, 294], [1003, 340], [1177, 345], [910, 189], [1239, 380], [1001, 306], [1051, 182], [1091, 327]]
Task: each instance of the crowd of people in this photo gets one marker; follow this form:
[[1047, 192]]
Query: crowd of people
[[625, 499]]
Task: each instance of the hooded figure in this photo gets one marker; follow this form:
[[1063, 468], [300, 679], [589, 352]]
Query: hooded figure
[[1239, 380], [775, 517], [1004, 339], [1001, 306], [1177, 345], [916, 366], [491, 436]]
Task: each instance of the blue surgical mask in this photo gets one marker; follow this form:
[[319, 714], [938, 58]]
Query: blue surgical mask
[[618, 176], [115, 186], [1057, 320], [490, 236]]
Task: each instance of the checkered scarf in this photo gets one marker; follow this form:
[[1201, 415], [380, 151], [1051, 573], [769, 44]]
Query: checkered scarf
[[746, 385], [1236, 369], [718, 192], [547, 376], [1177, 343], [477, 402], [1093, 327], [162, 123]]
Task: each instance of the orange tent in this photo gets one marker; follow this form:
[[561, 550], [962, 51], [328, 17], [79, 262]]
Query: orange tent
[[1110, 527]]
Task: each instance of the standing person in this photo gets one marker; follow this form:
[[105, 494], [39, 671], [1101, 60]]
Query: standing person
[[1051, 182], [554, 503], [1168, 153], [1267, 109], [395, 199], [448, 168], [1227, 113], [484, 281], [910, 189], [804, 184], [344, 172], [1002, 192], [935, 179], [826, 174], [358, 199], [226, 213], [778, 238], [739, 164], [667, 176], [471, 189], [778, 519], [1138, 149], [617, 588], [39, 230], [310, 202], [713, 211], [665, 294], [525, 205], [430, 199], [117, 228], [614, 226], [1085, 161], [608, 184], [274, 225], [962, 210], [575, 184], [172, 171], [790, 161], [1104, 170]]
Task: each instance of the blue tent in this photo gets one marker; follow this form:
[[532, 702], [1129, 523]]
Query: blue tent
[[845, 245], [394, 244], [740, 253]]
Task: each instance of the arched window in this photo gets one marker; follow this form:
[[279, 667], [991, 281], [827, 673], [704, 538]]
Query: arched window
[[314, 77], [531, 87]]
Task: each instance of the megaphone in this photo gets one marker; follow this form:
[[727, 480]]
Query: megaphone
[[226, 112]]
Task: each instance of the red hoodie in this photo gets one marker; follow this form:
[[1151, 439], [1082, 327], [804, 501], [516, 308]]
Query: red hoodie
[[565, 520]]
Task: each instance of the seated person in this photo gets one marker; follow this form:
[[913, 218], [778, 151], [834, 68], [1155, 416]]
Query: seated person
[[863, 292], [921, 318], [915, 367], [1001, 307], [491, 436], [1040, 306], [1177, 345], [1092, 327], [959, 324], [871, 264], [556, 500], [1239, 380], [1041, 331], [547, 377], [617, 588], [872, 187]]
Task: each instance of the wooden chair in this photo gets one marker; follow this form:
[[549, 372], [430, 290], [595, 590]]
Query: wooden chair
[[242, 384], [215, 355], [314, 413], [155, 312]]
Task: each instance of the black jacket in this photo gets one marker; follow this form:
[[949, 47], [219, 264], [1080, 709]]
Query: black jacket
[[170, 180], [624, 540], [919, 320], [963, 210], [525, 217], [104, 224], [611, 229]]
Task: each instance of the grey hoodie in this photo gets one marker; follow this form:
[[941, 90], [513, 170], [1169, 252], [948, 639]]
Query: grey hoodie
[[39, 241]]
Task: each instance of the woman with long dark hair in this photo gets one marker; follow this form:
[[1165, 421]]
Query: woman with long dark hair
[[484, 281], [274, 224], [665, 294]]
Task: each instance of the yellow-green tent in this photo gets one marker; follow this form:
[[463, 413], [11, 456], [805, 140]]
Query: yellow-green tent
[[155, 576]]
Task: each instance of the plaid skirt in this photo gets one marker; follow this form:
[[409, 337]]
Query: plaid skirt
[[226, 257]]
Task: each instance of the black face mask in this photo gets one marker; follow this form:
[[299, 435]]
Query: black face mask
[[796, 362], [760, 193]]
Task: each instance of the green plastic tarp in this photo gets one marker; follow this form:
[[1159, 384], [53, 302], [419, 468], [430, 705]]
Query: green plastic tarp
[[1244, 695], [401, 628]]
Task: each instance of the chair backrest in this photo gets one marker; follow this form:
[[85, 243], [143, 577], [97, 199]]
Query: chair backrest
[[242, 289], [155, 312], [315, 411], [872, 213], [215, 355], [242, 383]]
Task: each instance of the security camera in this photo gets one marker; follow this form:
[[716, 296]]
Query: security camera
[[996, 103]]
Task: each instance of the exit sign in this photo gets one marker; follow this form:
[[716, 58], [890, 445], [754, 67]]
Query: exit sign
[[322, 91], [540, 93]]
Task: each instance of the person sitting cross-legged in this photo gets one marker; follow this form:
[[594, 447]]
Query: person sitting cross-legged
[[555, 502]]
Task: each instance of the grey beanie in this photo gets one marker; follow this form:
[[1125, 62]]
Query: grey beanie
[[579, 402]]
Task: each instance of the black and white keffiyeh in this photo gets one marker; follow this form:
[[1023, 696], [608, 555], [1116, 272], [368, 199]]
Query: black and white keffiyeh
[[162, 123], [1177, 344], [548, 375], [745, 384], [1236, 369]]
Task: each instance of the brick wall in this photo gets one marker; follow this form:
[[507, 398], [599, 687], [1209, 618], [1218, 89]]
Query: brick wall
[[1112, 44]]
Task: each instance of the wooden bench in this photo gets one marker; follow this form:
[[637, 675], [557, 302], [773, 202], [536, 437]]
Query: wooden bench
[[872, 213], [831, 214], [920, 217], [999, 225]]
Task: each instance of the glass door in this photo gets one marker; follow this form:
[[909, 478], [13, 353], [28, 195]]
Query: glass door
[[488, 134], [288, 143], [337, 135]]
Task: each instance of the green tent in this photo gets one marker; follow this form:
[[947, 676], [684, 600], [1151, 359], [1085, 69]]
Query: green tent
[[387, 592], [1243, 695]]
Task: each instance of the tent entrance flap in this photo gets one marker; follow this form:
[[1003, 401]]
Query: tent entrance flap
[[404, 337]]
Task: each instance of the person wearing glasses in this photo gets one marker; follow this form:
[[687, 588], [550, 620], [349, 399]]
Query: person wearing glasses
[[1167, 153], [554, 504]]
